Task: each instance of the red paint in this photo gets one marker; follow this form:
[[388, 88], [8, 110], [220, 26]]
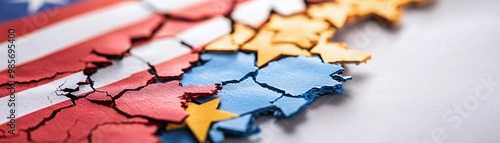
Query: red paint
[[33, 119], [172, 27], [20, 137], [92, 62], [26, 86], [203, 9], [125, 133], [173, 69], [68, 59], [134, 81], [78, 122], [96, 60], [115, 45], [32, 23], [161, 101]]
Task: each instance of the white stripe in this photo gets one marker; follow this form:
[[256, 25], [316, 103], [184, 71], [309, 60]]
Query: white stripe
[[288, 7], [69, 32], [39, 97], [36, 98], [154, 53], [206, 32], [253, 13], [159, 46], [165, 6]]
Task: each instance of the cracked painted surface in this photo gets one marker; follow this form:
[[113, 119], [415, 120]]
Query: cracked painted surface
[[127, 84]]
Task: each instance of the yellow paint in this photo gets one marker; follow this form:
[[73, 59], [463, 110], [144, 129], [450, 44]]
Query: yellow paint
[[233, 41], [334, 13], [337, 52], [201, 117], [297, 29], [267, 51]]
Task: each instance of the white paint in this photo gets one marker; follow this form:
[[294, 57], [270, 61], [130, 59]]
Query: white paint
[[34, 99], [72, 31], [206, 32]]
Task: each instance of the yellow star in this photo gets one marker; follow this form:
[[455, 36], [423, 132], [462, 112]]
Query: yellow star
[[267, 51], [413, 2], [233, 41], [296, 29], [242, 33], [334, 13], [388, 9], [337, 52], [223, 44], [201, 116]]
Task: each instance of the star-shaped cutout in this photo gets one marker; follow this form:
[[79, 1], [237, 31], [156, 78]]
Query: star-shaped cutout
[[412, 2], [201, 117], [268, 51], [331, 52], [35, 5], [297, 29], [386, 9], [334, 13], [233, 41]]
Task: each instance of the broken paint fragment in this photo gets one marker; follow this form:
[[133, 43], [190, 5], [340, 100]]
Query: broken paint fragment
[[220, 68], [182, 135], [198, 37], [296, 29], [110, 91], [255, 12], [161, 101], [267, 51], [173, 69], [117, 44], [304, 76], [389, 10], [334, 13], [97, 60], [335, 53], [201, 116], [68, 60], [245, 97], [289, 106], [233, 41], [124, 132], [240, 127], [288, 7], [75, 123], [203, 9], [35, 119]]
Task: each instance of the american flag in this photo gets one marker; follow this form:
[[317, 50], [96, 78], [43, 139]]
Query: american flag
[[60, 42]]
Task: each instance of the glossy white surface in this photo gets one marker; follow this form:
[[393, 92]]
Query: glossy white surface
[[435, 79]]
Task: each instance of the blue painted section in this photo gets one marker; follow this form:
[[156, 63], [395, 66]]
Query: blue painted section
[[15, 9]]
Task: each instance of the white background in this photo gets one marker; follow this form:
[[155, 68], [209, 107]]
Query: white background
[[435, 78]]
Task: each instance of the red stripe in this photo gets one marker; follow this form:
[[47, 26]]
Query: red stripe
[[33, 119], [78, 120], [71, 59], [173, 27], [32, 23], [134, 133], [25, 86], [203, 9], [170, 28], [169, 68]]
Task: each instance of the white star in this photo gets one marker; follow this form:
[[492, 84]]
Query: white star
[[35, 5]]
